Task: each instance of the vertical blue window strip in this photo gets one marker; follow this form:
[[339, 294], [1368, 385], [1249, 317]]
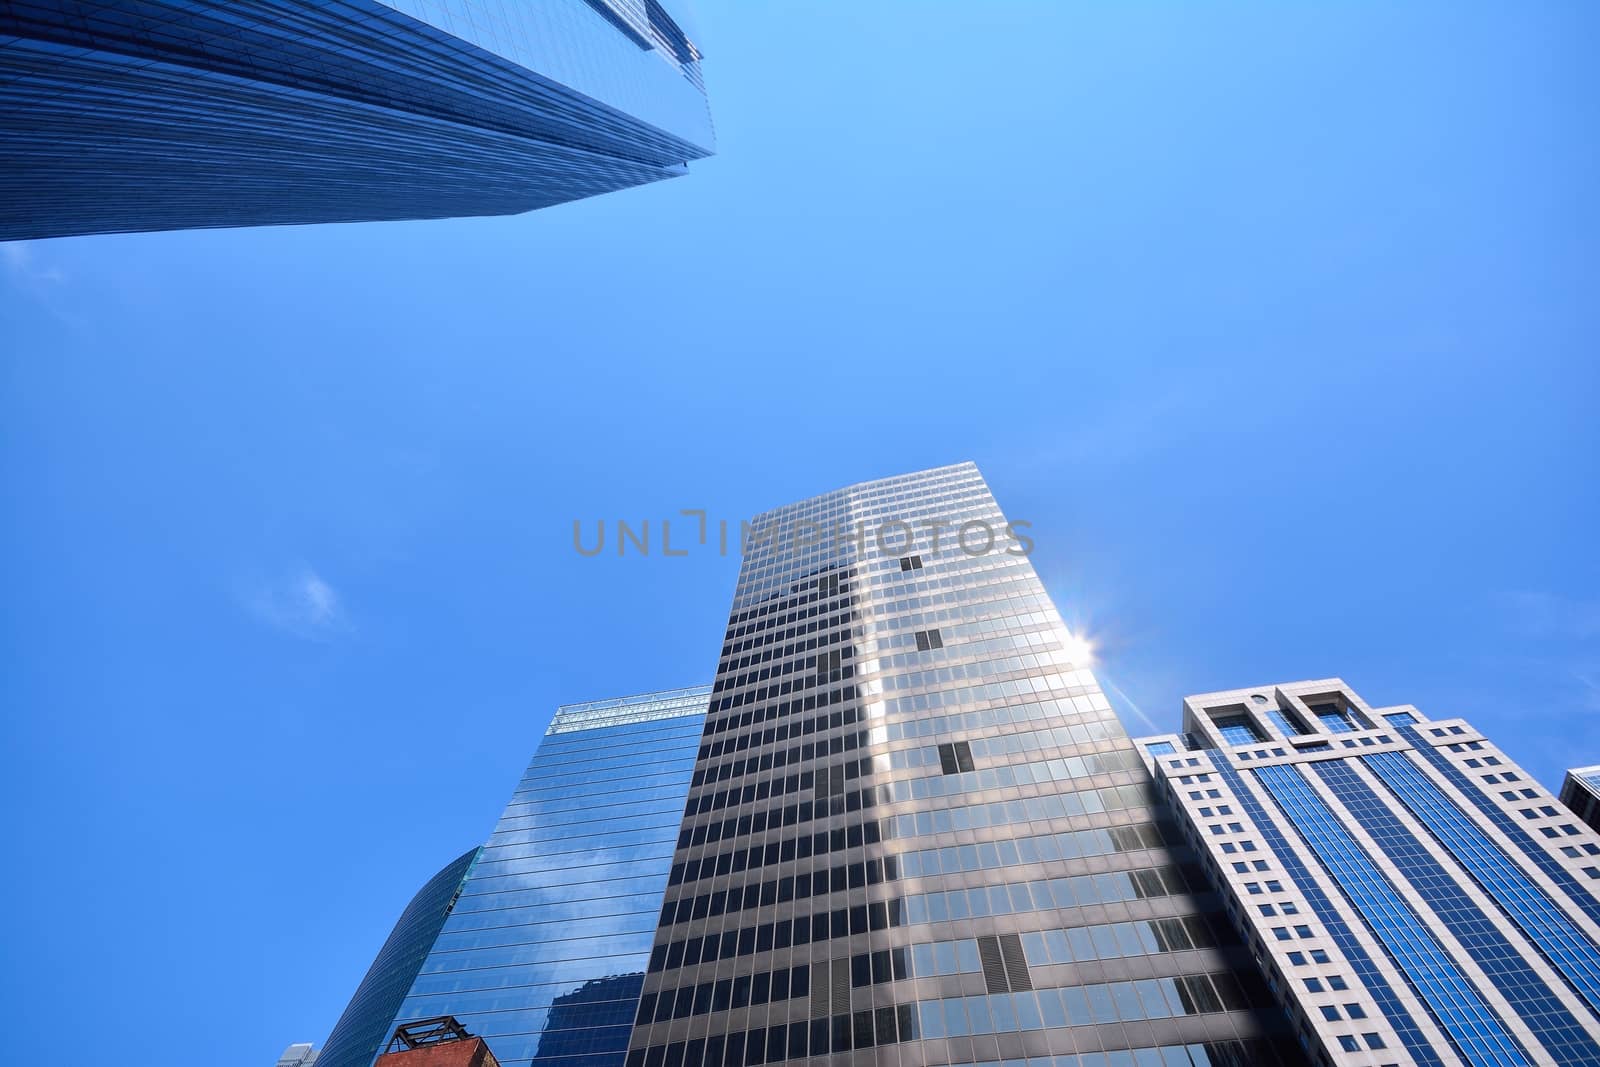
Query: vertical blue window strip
[[1563, 944], [1286, 725], [1382, 992], [1504, 823], [1560, 1032], [1450, 996]]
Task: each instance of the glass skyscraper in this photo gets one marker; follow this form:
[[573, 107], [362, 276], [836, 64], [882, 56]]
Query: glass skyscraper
[[916, 834], [544, 952], [361, 1031], [126, 115], [1411, 894]]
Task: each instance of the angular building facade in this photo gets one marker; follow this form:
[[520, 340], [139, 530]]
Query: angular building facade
[[916, 833], [1580, 792], [129, 115], [544, 953], [1411, 894], [362, 1030]]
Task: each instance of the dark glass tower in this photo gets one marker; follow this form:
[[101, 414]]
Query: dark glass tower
[[916, 833], [128, 115], [364, 1027]]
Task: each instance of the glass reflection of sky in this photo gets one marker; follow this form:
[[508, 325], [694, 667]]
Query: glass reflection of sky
[[545, 952]]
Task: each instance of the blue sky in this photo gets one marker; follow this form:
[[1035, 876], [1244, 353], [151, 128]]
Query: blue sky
[[1276, 321]]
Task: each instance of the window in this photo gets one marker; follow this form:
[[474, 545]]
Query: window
[[1373, 1040], [1336, 981], [1287, 726], [1355, 1011], [1330, 1013], [1237, 730], [1348, 1043], [910, 563], [928, 640], [955, 757], [1334, 719]]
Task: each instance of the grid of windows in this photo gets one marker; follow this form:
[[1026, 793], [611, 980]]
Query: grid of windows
[[1580, 896], [883, 695], [1411, 1035], [1556, 1028], [1572, 952], [1461, 1012]]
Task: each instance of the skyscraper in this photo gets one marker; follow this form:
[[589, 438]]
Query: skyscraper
[[544, 953], [125, 115], [300, 1055], [1412, 895], [361, 1031], [1580, 791], [916, 833]]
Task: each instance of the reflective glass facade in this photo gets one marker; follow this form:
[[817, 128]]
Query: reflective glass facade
[[1407, 889], [916, 833], [164, 114], [545, 952], [363, 1029]]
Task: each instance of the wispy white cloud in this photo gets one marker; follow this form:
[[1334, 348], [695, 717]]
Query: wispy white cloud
[[23, 265], [302, 604]]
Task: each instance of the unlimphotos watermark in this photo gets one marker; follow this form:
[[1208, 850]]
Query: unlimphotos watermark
[[893, 537]]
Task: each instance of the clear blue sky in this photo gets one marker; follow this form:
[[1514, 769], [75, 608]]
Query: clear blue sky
[[1277, 321]]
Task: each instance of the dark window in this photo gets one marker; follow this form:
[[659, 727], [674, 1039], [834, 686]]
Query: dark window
[[955, 757], [863, 1029]]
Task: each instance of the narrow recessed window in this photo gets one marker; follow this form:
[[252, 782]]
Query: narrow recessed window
[[928, 640]]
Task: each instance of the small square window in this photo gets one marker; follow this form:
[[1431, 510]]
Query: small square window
[[1373, 1040], [1348, 1043]]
